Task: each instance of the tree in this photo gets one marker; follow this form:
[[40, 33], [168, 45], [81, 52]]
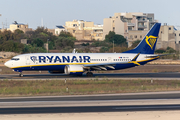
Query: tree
[[65, 34], [38, 42], [135, 43], [18, 35], [161, 50], [11, 46], [33, 49], [63, 42], [118, 39], [170, 50]]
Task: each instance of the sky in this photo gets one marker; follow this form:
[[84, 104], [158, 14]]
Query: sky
[[57, 12]]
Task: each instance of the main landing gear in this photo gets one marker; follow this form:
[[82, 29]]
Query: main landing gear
[[20, 74], [89, 74]]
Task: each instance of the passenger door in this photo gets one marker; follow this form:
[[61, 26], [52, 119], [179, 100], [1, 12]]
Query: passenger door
[[109, 59]]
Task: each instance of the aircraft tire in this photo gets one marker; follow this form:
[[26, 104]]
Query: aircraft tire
[[20, 75], [89, 74]]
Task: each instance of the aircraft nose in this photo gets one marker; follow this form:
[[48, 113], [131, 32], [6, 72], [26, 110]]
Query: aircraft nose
[[8, 64]]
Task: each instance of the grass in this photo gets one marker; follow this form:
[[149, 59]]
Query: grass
[[79, 87]]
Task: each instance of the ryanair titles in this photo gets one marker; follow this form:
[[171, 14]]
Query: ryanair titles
[[60, 59]]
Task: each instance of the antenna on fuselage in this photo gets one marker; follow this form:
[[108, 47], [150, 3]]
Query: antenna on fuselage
[[74, 51]]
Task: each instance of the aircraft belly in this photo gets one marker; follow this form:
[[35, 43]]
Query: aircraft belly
[[50, 67], [123, 66]]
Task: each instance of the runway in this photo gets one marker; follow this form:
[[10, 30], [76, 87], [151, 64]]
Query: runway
[[165, 76], [151, 101], [38, 110]]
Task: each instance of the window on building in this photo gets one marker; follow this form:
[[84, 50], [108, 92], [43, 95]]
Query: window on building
[[74, 25], [74, 31], [130, 36], [161, 31], [113, 28], [179, 34], [135, 36], [129, 28], [140, 36], [179, 42], [169, 28], [113, 21]]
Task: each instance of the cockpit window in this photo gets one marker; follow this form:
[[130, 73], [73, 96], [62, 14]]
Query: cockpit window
[[16, 59]]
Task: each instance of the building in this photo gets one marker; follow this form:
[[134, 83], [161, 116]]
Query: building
[[133, 26], [58, 29], [51, 31], [20, 26], [84, 30], [97, 32], [166, 37], [177, 39]]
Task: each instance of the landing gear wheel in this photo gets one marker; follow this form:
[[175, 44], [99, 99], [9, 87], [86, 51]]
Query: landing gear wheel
[[89, 74], [20, 75]]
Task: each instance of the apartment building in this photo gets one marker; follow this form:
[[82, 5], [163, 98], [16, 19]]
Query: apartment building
[[133, 26], [84, 30]]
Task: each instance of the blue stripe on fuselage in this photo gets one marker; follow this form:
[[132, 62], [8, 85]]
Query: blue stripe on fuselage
[[61, 67]]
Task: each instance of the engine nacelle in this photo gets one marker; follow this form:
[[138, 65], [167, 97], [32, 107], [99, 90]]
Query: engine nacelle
[[73, 70]]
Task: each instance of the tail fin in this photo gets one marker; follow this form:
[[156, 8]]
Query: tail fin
[[148, 44]]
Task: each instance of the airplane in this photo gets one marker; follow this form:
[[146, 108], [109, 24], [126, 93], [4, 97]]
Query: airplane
[[79, 63]]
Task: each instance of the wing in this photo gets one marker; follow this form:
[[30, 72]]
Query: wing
[[103, 66]]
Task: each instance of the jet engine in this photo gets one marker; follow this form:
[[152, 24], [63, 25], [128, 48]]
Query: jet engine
[[73, 70]]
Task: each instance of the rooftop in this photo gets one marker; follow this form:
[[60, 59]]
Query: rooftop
[[15, 22], [59, 26]]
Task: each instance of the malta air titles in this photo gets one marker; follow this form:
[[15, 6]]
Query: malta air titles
[[60, 59]]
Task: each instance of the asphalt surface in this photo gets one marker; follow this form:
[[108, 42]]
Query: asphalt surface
[[92, 108], [37, 110], [166, 75], [161, 95]]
